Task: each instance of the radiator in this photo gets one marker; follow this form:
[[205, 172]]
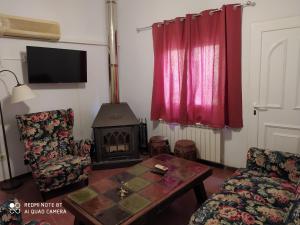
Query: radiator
[[208, 141]]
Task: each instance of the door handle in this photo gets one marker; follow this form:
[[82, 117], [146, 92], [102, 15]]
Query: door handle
[[260, 107]]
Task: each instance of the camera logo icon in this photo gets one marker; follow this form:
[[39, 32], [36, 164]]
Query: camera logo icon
[[14, 208]]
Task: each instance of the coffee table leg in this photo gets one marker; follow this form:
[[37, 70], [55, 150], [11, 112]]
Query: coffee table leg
[[200, 192]]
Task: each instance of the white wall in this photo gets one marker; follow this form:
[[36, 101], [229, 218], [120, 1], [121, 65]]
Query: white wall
[[136, 54], [80, 21], [85, 21]]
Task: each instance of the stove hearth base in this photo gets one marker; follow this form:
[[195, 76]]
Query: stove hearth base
[[115, 163]]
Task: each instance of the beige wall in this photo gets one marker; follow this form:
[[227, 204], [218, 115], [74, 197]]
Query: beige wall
[[136, 55]]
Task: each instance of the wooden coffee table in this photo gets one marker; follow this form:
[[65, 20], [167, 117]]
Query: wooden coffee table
[[149, 193]]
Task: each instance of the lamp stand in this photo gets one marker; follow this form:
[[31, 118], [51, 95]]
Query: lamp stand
[[11, 183]]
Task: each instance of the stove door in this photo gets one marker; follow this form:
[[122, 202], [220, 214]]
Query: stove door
[[116, 143]]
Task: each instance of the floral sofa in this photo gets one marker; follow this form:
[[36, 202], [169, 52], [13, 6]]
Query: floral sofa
[[55, 158], [266, 192]]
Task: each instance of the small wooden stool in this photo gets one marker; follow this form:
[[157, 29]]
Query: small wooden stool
[[159, 145], [186, 149]]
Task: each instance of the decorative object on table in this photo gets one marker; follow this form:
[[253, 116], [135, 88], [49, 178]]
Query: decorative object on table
[[123, 191], [143, 136], [186, 149], [159, 169], [16, 26], [159, 145], [20, 92], [269, 183], [55, 158]]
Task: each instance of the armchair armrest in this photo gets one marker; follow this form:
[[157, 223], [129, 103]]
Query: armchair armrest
[[282, 164], [83, 147]]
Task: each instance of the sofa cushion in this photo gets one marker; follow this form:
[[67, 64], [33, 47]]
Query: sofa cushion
[[263, 188], [231, 208], [47, 148], [285, 165], [293, 217]]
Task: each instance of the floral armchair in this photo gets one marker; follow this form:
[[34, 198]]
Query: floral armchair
[[55, 158]]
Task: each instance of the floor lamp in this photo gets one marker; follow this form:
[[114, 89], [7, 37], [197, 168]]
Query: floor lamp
[[20, 92]]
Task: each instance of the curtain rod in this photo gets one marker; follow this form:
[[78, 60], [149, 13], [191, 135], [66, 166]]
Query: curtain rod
[[247, 4]]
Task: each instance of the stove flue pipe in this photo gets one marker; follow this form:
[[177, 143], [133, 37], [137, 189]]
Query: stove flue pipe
[[113, 51]]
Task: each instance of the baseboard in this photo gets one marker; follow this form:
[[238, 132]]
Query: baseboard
[[210, 163], [20, 177], [214, 164]]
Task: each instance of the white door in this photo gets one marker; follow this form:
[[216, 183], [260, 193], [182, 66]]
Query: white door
[[275, 80]]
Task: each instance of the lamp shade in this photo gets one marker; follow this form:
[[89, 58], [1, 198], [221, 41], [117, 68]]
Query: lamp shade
[[21, 93]]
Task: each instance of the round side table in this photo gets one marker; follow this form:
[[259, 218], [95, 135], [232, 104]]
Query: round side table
[[186, 149], [159, 145]]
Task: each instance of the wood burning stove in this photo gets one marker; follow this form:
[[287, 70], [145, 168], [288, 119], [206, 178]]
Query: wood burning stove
[[116, 129], [116, 132]]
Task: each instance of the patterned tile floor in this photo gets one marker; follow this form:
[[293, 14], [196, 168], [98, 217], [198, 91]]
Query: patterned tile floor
[[178, 213]]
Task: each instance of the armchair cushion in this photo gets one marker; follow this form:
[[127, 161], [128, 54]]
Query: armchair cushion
[[47, 134], [36, 126], [42, 150], [82, 147], [60, 172]]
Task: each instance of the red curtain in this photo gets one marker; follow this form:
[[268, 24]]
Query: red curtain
[[197, 69]]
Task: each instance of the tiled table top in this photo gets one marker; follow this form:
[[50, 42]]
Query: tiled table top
[[102, 201]]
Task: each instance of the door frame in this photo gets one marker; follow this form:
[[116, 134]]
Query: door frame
[[257, 29]]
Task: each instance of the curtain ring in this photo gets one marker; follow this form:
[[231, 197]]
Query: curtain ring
[[159, 24], [196, 15], [237, 5], [213, 11]]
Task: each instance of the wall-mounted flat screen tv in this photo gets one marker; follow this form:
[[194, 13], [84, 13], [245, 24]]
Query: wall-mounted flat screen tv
[[52, 65]]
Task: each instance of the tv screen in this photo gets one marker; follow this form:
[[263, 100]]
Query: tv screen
[[52, 65]]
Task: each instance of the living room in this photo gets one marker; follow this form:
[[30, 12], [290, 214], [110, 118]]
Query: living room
[[83, 26]]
